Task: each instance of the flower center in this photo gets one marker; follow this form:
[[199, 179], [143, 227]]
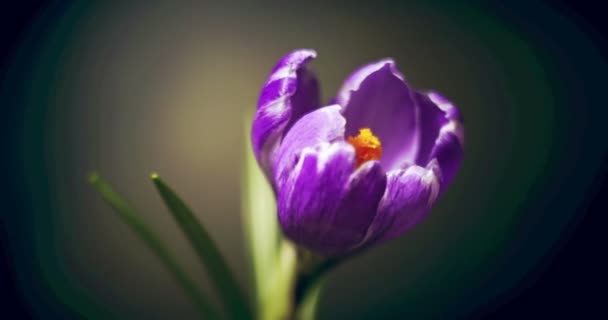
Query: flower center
[[367, 146]]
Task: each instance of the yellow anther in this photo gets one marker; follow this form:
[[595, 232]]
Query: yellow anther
[[367, 146]]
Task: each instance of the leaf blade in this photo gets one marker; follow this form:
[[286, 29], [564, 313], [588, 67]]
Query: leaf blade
[[131, 218], [221, 276]]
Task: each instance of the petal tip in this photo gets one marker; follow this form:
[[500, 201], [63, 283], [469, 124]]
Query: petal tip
[[354, 80], [392, 65], [303, 55], [445, 105], [291, 62], [310, 52]]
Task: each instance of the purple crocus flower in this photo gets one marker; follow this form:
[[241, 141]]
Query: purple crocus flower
[[362, 170]]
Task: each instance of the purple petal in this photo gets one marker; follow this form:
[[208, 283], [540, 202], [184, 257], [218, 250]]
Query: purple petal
[[376, 96], [409, 195], [326, 207], [290, 91], [448, 153], [322, 125], [448, 147], [430, 121], [446, 106], [411, 191]]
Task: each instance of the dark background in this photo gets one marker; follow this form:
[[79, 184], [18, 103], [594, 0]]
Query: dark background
[[550, 264]]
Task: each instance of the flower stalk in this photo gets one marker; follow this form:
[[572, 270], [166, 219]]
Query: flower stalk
[[287, 279]]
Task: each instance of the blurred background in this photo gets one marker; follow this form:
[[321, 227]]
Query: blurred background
[[131, 88]]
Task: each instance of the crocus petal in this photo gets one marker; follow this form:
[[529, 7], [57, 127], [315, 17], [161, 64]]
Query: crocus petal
[[448, 147], [445, 105], [323, 205], [323, 125], [376, 96], [430, 120], [290, 91], [409, 195], [448, 153]]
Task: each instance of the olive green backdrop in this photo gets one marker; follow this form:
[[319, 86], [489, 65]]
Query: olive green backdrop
[[128, 89]]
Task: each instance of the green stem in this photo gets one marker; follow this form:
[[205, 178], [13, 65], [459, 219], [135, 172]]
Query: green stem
[[273, 260], [131, 218], [310, 302], [310, 279], [276, 300]]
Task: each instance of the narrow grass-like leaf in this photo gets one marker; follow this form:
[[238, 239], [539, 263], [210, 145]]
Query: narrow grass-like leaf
[[219, 271], [132, 219]]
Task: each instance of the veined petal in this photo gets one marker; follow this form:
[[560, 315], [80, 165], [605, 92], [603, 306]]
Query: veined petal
[[429, 121], [324, 205], [448, 153], [448, 147], [290, 91], [324, 125], [412, 190], [450, 110], [376, 96], [409, 196]]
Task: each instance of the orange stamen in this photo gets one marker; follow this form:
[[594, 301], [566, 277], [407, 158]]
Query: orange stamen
[[367, 146]]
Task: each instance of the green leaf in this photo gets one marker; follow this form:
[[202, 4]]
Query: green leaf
[[132, 219], [222, 278]]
